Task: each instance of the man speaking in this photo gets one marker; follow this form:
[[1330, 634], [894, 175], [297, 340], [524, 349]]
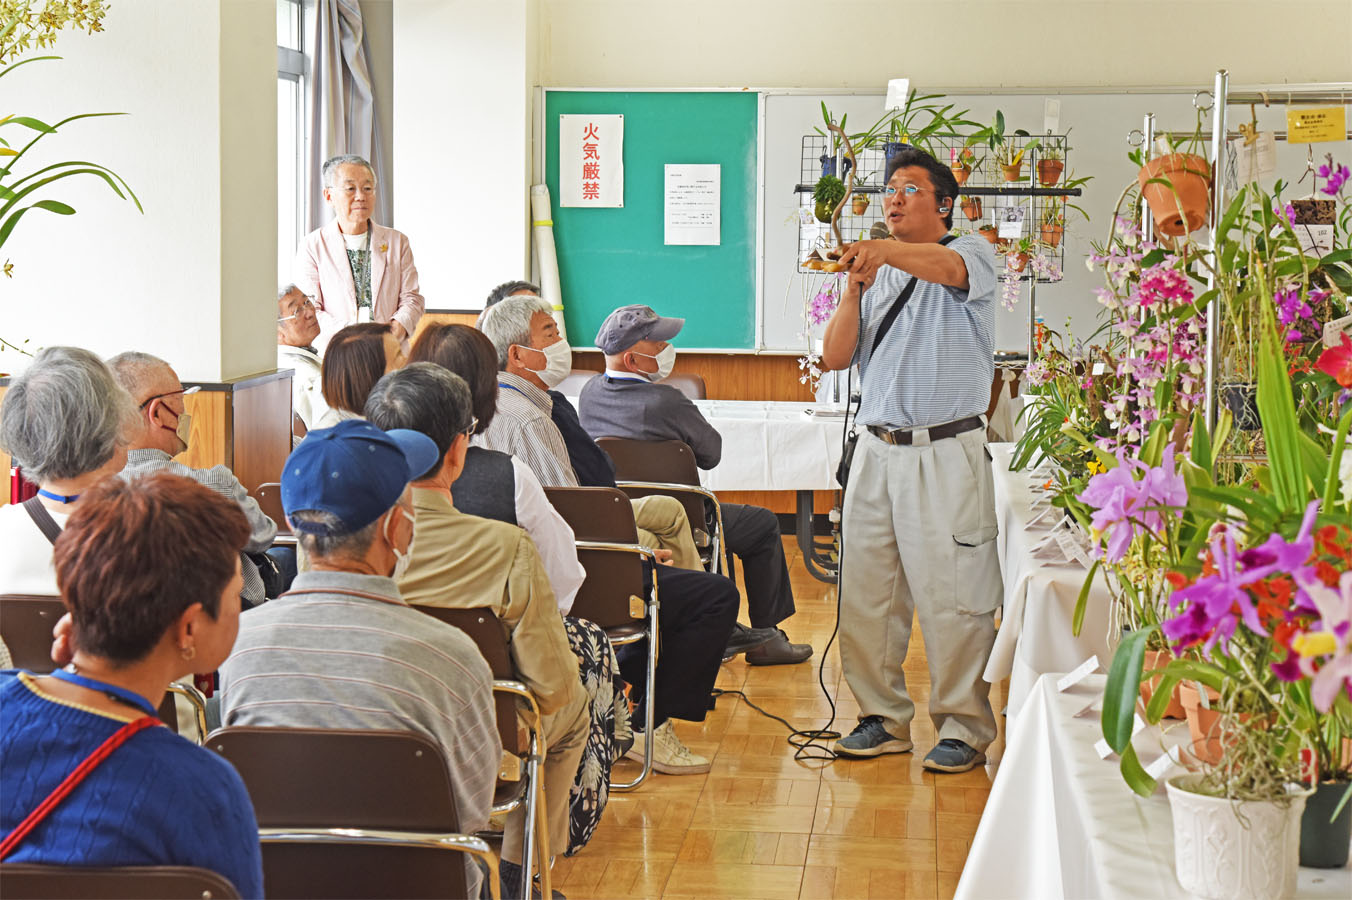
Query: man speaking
[[919, 521]]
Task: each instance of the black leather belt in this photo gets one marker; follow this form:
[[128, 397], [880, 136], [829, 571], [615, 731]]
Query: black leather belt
[[937, 433]]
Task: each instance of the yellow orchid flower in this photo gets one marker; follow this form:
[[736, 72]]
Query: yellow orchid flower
[[1319, 643]]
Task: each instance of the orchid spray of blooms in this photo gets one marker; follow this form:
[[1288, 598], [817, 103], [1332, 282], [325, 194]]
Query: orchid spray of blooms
[[1131, 501]]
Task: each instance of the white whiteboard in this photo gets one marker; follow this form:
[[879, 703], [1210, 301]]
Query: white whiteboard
[[1099, 126]]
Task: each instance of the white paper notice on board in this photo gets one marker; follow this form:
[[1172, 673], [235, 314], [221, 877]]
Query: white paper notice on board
[[693, 199], [591, 161]]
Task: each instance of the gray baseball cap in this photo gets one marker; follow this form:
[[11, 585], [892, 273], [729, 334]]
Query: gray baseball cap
[[628, 325]]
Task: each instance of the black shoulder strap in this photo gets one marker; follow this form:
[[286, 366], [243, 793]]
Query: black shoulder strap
[[43, 519], [897, 304]]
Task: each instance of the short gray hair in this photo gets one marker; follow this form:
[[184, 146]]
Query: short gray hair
[[64, 416], [425, 398], [508, 289], [350, 545], [347, 159], [137, 371], [282, 292], [508, 323]]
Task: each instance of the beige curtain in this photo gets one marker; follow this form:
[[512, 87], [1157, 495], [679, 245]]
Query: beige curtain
[[340, 103]]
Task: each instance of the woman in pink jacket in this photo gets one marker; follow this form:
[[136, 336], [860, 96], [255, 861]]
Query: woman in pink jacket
[[356, 270]]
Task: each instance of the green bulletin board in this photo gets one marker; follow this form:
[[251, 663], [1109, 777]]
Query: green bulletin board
[[614, 257]]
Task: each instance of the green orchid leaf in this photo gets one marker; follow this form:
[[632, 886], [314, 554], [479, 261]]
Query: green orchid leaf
[[1159, 700], [1123, 687], [1082, 601], [30, 122], [1135, 776]]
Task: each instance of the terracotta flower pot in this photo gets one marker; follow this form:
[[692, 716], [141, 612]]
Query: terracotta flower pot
[[1012, 172], [1190, 176], [1051, 235], [972, 209], [989, 233], [859, 204], [1049, 171], [1204, 725], [961, 173], [1020, 261], [1158, 659]]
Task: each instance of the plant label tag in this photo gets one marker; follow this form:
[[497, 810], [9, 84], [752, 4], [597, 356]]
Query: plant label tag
[[1255, 161], [1051, 115], [1334, 330], [1315, 240], [1011, 222], [1100, 367], [1089, 709], [1070, 549], [1315, 124], [1078, 674], [1159, 766], [1104, 751], [898, 89]]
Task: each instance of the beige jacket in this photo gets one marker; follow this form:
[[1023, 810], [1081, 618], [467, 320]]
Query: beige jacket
[[463, 561]]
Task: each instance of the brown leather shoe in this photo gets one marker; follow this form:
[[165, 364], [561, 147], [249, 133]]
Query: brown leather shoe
[[779, 652]]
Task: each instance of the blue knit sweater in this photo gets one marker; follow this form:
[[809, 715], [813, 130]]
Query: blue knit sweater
[[158, 800]]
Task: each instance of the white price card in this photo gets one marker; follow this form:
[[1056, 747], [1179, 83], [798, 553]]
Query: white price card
[[1051, 115], [1256, 161], [1079, 673]]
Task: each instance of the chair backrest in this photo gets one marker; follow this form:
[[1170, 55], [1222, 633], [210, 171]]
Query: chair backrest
[[308, 779], [613, 578], [334, 778], [669, 461], [687, 383], [572, 385], [269, 497], [484, 628], [21, 880], [26, 622]]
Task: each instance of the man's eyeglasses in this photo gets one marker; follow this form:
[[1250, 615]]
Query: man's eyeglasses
[[909, 190], [308, 304], [184, 391], [473, 426]]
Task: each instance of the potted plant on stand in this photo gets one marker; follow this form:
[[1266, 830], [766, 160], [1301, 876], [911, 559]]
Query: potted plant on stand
[[971, 207], [1053, 224], [963, 161], [827, 194], [1052, 161]]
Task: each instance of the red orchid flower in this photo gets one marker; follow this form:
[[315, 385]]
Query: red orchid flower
[[1337, 362]]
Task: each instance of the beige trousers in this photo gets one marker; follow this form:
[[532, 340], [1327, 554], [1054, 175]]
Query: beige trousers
[[663, 525], [566, 732], [919, 540]]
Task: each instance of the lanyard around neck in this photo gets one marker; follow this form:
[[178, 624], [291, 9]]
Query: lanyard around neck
[[120, 694]]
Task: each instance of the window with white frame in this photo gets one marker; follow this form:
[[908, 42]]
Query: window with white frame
[[291, 66]]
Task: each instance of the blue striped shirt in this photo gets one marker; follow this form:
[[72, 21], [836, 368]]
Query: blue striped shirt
[[937, 361]]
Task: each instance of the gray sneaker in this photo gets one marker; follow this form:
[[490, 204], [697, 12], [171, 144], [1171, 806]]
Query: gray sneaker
[[953, 755], [869, 738]]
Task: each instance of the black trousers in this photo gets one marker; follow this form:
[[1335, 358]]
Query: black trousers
[[752, 533], [694, 622]]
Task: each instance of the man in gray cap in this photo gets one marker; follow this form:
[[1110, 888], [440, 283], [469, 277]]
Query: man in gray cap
[[627, 402]]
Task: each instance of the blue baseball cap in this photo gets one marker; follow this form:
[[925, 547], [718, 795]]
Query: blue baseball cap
[[353, 471]]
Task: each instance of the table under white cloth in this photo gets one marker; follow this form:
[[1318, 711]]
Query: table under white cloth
[[1035, 628], [772, 446], [1061, 822]]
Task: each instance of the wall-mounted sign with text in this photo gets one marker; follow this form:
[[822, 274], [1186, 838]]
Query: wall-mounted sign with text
[[591, 161]]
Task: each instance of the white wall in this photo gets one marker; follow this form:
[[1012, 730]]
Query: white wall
[[190, 280], [956, 43], [461, 120]]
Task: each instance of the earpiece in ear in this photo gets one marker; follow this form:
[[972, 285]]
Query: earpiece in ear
[[943, 209]]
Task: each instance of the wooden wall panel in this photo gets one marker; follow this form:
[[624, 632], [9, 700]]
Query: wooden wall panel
[[211, 439], [449, 317], [262, 430], [730, 376]]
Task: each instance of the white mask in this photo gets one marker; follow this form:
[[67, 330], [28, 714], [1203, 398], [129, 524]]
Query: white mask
[[401, 560], [666, 360], [558, 363]]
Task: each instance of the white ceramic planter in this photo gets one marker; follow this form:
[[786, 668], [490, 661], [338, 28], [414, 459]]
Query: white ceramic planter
[[1224, 850]]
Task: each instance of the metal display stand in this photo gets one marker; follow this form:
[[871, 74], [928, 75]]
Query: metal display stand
[[816, 159], [1219, 158]]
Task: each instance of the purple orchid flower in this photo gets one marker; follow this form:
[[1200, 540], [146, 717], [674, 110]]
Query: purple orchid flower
[[1125, 506]]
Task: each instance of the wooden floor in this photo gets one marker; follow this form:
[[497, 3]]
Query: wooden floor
[[760, 825]]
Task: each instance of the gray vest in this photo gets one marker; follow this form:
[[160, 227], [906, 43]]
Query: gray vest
[[487, 486]]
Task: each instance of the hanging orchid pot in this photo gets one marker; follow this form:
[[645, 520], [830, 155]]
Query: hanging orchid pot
[[1177, 187], [892, 148], [828, 164], [859, 203]]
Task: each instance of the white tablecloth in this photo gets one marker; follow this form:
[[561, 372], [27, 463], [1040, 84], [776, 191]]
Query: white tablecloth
[[1061, 822], [1035, 627], [771, 446]]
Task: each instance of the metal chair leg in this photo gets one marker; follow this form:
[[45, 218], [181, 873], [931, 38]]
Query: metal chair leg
[[528, 837], [544, 851]]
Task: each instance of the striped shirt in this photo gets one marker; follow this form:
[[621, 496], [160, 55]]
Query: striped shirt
[[330, 659], [937, 361], [221, 480], [522, 427]]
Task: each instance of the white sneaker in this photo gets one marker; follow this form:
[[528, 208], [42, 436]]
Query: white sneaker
[[670, 756]]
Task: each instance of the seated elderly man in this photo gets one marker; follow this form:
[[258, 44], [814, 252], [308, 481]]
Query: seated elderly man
[[297, 328], [525, 335], [161, 432], [626, 402], [342, 649], [466, 562]]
